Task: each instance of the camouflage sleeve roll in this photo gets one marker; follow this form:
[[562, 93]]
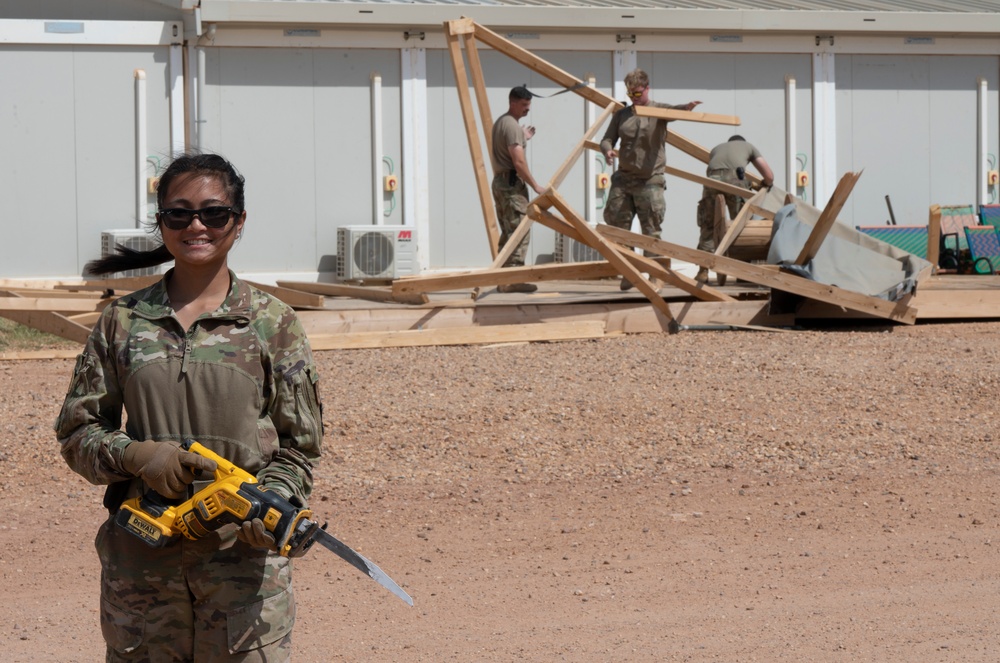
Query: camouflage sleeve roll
[[88, 426], [294, 408]]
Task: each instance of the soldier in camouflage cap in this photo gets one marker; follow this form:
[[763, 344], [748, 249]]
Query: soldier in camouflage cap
[[198, 355]]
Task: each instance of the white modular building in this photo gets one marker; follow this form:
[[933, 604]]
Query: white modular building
[[345, 114]]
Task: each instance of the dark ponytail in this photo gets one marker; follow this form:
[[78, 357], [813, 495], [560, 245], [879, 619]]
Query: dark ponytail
[[125, 259]]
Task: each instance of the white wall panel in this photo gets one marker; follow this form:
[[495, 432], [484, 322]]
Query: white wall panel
[[67, 141], [297, 123], [910, 123]]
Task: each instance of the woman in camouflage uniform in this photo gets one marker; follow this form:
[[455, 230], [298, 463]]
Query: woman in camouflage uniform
[[200, 355]]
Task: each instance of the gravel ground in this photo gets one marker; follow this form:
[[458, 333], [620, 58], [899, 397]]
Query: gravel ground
[[707, 496]]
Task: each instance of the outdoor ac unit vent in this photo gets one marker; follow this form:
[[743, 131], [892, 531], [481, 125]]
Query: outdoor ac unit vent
[[570, 250], [133, 238], [376, 252]]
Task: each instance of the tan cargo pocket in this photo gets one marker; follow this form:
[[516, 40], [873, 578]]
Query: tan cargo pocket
[[123, 631], [260, 624]]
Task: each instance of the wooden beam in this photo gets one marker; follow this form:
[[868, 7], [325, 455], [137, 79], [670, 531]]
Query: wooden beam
[[934, 236], [58, 304], [690, 116], [611, 254], [490, 277], [515, 239], [479, 85], [367, 293], [476, 335], [39, 354], [688, 147], [475, 147], [700, 290], [620, 316], [898, 311], [50, 322], [546, 69], [709, 182], [49, 292], [736, 227], [294, 297], [85, 319], [761, 212], [827, 218]]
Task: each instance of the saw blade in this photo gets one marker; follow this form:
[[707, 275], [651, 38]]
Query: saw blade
[[358, 561]]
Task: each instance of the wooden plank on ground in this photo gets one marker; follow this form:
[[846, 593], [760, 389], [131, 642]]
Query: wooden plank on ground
[[827, 218], [50, 322], [49, 292], [39, 354], [57, 304], [709, 182], [477, 335], [368, 293], [690, 116], [123, 285], [628, 316], [489, 277], [899, 311]]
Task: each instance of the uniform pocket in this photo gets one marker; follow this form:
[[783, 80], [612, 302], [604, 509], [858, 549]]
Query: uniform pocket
[[260, 624], [122, 630]]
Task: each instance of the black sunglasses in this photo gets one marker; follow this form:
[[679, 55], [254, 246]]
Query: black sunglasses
[[178, 218]]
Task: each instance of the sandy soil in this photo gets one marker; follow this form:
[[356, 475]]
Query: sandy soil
[[737, 496]]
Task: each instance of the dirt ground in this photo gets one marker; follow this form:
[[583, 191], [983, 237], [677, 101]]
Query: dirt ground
[[736, 496]]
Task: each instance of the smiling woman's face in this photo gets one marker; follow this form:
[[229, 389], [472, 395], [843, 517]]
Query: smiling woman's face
[[198, 244]]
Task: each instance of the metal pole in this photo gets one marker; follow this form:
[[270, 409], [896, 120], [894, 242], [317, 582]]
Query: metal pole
[[141, 197]]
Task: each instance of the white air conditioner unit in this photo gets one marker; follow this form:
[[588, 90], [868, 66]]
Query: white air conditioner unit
[[376, 252], [569, 250], [135, 239]]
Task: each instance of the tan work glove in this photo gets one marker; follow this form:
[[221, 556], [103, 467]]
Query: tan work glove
[[252, 533], [164, 466]]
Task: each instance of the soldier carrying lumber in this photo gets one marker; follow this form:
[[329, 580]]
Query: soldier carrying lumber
[[638, 184]]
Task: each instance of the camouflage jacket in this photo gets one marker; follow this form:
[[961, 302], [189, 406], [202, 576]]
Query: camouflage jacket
[[642, 153], [241, 381]]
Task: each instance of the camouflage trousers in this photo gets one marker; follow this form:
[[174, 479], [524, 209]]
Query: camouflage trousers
[[215, 599], [706, 210], [632, 196], [511, 202]]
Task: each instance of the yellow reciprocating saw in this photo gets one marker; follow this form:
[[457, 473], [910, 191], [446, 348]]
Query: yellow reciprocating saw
[[235, 496]]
